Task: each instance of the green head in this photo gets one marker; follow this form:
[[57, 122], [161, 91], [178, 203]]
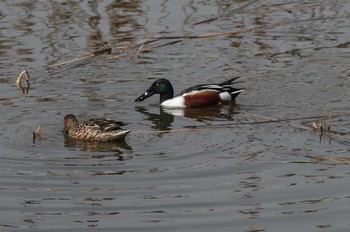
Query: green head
[[162, 87]]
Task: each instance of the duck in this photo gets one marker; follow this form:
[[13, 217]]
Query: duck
[[192, 97], [94, 129]]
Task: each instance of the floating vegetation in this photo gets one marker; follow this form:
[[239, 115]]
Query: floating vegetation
[[323, 127], [147, 44], [344, 160], [324, 124], [25, 89]]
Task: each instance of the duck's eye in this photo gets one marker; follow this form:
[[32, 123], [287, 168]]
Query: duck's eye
[[157, 84]]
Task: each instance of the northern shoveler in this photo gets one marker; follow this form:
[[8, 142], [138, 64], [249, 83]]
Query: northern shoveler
[[94, 129], [196, 96]]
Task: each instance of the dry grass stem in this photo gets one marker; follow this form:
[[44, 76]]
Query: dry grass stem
[[71, 61], [344, 160]]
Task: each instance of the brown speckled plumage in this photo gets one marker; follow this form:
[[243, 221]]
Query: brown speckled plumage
[[94, 129]]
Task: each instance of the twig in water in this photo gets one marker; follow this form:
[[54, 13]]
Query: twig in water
[[19, 82], [161, 45], [139, 51], [107, 50], [36, 133], [71, 61]]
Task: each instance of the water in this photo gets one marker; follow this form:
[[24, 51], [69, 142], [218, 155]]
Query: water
[[230, 168]]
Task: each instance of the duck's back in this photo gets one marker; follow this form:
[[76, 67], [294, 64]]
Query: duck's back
[[100, 130]]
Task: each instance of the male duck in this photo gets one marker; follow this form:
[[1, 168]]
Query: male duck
[[94, 129], [196, 96]]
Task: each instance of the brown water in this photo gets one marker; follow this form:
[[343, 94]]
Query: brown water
[[221, 168]]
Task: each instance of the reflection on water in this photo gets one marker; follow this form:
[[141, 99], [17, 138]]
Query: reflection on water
[[124, 17], [51, 30], [164, 119], [116, 146], [161, 121], [226, 112], [231, 172]]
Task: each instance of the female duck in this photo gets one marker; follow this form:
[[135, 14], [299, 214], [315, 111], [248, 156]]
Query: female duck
[[196, 96], [94, 129]]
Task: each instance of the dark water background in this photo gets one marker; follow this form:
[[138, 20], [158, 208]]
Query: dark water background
[[216, 169]]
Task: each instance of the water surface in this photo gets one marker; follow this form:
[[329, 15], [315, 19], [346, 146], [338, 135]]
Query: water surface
[[229, 168]]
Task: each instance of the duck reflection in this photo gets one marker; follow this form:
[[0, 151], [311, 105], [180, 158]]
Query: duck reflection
[[117, 146], [165, 118], [205, 114], [161, 121]]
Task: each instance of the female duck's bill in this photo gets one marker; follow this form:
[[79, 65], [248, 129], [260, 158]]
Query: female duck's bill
[[196, 96], [94, 129]]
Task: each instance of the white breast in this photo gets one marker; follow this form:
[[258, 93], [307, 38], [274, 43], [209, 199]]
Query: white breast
[[175, 102]]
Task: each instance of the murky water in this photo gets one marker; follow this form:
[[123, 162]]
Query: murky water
[[229, 168]]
